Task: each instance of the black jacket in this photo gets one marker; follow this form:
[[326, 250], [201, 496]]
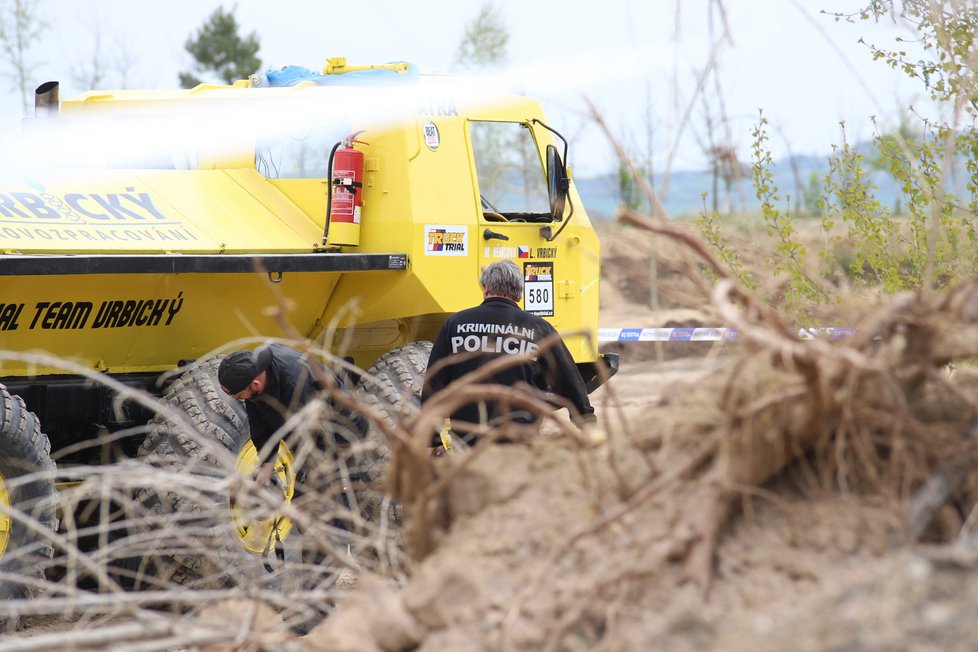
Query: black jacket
[[495, 328], [290, 384]]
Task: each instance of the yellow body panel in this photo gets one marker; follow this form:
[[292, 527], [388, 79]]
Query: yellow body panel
[[148, 322], [152, 211]]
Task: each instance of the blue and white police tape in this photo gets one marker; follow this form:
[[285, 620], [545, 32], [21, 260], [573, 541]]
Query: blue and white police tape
[[702, 334]]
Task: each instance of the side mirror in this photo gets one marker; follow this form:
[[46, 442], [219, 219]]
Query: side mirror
[[557, 183]]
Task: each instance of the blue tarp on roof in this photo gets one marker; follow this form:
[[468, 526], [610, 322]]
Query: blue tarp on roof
[[293, 75]]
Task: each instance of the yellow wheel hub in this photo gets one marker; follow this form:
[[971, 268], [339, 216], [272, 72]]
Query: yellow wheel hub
[[4, 515], [258, 535]]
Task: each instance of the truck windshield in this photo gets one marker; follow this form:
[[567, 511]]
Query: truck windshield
[[512, 181]]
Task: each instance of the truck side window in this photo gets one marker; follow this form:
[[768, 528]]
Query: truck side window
[[296, 152], [512, 181]]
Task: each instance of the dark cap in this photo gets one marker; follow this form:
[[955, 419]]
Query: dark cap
[[239, 368]]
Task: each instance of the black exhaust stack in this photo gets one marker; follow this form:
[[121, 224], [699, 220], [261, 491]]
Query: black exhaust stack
[[47, 103]]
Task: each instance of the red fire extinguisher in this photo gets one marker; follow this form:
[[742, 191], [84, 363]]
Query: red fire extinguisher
[[345, 196]]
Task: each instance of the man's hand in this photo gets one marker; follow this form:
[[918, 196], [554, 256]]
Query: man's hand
[[265, 474]]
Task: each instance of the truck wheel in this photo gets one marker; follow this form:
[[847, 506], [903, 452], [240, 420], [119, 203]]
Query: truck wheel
[[396, 378], [391, 382], [27, 499], [199, 534]]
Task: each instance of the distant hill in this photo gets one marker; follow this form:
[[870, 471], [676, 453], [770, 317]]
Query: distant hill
[[600, 194]]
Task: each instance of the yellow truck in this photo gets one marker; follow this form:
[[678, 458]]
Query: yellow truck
[[158, 226]]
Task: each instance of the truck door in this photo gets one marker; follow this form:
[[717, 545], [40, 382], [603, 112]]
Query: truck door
[[514, 206]]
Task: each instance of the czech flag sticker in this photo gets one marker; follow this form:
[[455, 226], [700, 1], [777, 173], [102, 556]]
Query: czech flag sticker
[[524, 252]]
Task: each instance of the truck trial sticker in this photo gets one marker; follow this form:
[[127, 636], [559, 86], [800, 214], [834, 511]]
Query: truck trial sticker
[[538, 289], [445, 240]]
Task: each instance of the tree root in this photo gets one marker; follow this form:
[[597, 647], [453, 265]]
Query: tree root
[[810, 389]]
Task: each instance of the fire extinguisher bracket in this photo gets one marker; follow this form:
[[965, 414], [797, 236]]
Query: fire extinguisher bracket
[[348, 184]]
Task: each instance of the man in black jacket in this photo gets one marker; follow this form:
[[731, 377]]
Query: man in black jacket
[[499, 327], [275, 382]]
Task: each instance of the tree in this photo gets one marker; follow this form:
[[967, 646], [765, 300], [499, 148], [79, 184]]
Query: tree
[[947, 32], [897, 148], [944, 237], [123, 61], [485, 40], [503, 155], [218, 48], [20, 28], [811, 195], [629, 194], [106, 66], [92, 75], [630, 191]]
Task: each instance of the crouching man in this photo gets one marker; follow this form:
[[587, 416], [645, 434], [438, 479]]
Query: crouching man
[[275, 382]]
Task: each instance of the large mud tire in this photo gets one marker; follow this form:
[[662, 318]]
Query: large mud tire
[[194, 539], [29, 502], [392, 385], [394, 381]]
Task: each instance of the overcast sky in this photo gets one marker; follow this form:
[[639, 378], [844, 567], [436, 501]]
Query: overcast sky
[[637, 60]]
